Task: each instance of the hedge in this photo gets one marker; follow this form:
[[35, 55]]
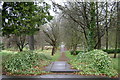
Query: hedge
[[76, 52], [110, 51]]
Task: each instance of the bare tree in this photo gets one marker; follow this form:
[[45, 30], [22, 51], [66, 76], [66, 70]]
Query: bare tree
[[118, 23], [52, 35], [91, 18], [71, 34], [117, 41], [20, 41]]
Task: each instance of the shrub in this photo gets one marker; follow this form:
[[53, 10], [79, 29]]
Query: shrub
[[24, 61], [112, 51], [76, 52], [94, 62]]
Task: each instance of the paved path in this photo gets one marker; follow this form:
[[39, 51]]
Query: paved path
[[57, 77], [63, 57], [60, 66]]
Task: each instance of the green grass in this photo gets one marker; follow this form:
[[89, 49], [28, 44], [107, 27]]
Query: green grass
[[115, 62], [68, 54], [112, 55], [48, 52], [56, 56], [5, 52]]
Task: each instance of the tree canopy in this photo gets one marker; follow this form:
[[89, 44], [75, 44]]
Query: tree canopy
[[24, 17]]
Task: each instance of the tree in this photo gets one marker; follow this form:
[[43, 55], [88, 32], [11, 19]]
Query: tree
[[98, 45], [52, 35], [87, 24], [117, 41], [23, 18], [118, 23], [20, 41], [90, 18], [71, 34], [44, 16], [106, 27]]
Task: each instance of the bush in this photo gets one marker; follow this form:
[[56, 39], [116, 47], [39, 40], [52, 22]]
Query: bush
[[24, 61], [94, 62], [112, 51], [76, 52]]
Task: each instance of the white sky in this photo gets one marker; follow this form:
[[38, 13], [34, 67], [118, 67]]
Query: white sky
[[57, 1], [61, 2]]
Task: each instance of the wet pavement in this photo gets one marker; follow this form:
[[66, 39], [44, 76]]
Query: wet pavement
[[57, 77], [59, 67]]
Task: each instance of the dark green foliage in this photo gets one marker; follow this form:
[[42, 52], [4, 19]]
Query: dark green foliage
[[111, 51], [23, 17], [24, 61], [76, 52]]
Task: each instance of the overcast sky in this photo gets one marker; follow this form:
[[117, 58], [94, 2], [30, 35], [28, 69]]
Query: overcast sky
[[57, 1]]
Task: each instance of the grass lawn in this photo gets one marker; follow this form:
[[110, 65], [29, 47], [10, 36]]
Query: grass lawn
[[56, 56], [112, 55], [115, 62], [69, 55], [46, 52], [5, 52]]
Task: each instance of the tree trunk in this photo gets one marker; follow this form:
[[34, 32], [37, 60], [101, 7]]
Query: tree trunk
[[98, 29], [8, 43], [117, 43], [21, 49], [31, 42], [53, 50], [118, 23], [91, 31], [74, 49], [42, 48], [19, 46], [106, 29], [106, 39]]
